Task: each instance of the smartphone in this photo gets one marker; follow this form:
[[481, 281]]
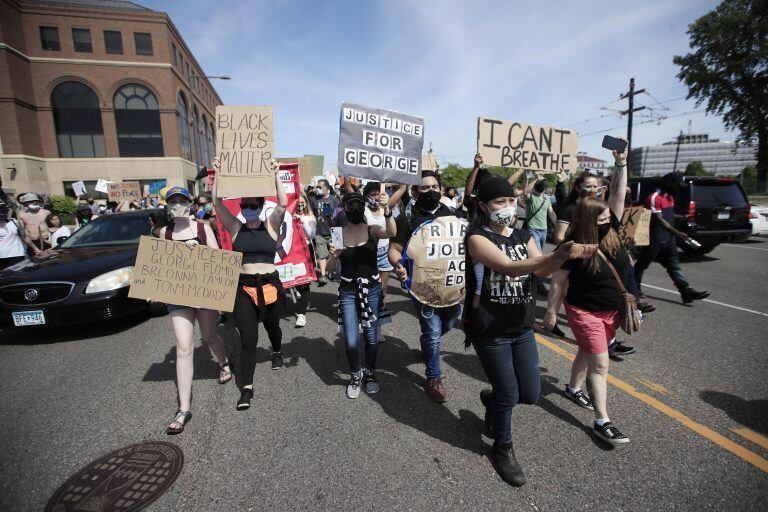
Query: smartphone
[[614, 144]]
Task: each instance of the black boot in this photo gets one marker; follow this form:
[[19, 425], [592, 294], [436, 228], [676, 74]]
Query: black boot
[[689, 295], [485, 398], [503, 456]]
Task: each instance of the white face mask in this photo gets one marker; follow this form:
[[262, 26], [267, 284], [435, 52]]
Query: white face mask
[[34, 207], [179, 210], [504, 216]]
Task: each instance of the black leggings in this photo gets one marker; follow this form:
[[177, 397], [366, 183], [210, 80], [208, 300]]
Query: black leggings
[[247, 320], [302, 303]]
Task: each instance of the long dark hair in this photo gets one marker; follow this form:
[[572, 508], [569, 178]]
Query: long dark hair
[[583, 230], [573, 195]]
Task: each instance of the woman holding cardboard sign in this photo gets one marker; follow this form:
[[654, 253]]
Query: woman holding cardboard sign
[[183, 317], [500, 310], [260, 294]]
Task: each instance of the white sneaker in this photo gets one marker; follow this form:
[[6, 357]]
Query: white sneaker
[[301, 320], [353, 388]]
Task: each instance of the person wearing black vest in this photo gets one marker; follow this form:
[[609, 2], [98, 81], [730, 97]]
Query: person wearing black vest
[[260, 294], [181, 229], [500, 310]]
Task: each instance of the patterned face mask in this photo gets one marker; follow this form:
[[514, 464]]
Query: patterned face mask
[[503, 216]]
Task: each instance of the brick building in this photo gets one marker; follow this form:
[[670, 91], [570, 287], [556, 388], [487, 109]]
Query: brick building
[[95, 89]]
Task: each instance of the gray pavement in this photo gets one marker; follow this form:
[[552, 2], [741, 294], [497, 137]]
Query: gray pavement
[[700, 373]]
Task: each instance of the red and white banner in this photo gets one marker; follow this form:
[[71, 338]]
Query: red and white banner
[[293, 260]]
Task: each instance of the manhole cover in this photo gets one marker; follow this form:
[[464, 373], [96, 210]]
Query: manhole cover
[[126, 479]]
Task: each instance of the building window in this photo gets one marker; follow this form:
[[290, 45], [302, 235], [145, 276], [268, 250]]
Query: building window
[[211, 147], [82, 40], [187, 70], [113, 41], [184, 128], [204, 140], [77, 119], [138, 122], [173, 52], [196, 133], [49, 37], [143, 43]]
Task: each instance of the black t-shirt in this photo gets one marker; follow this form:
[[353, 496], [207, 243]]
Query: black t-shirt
[[507, 306], [565, 214], [598, 292]]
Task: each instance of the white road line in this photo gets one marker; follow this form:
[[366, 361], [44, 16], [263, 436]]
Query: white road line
[[708, 300], [746, 247]]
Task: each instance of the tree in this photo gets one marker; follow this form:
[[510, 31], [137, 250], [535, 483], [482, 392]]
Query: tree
[[696, 168], [728, 69]]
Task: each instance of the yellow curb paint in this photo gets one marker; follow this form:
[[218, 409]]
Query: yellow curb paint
[[752, 436], [706, 432]]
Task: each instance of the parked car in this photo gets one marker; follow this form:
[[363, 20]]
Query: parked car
[[710, 210], [758, 217], [83, 280]]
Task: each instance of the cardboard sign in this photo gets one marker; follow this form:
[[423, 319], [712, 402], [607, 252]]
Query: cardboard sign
[[436, 251], [526, 146], [79, 188], [145, 190], [171, 272], [635, 225], [127, 191], [380, 145], [156, 186], [245, 145], [101, 186]]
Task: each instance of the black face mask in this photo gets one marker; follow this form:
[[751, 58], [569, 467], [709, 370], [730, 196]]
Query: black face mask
[[428, 200], [603, 230], [355, 216]]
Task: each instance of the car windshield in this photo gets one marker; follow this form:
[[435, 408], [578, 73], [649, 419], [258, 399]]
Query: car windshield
[[109, 230], [718, 193]]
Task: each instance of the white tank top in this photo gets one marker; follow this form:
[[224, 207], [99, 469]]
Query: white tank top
[[380, 221], [11, 245]]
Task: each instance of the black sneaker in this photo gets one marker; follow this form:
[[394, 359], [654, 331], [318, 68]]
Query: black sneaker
[[580, 398], [557, 331], [277, 360], [322, 281], [246, 395], [646, 307], [369, 381], [689, 295], [623, 350], [485, 398], [609, 433]]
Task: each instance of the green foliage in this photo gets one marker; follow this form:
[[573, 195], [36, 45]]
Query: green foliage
[[749, 172], [63, 204], [696, 168], [453, 175], [728, 69]]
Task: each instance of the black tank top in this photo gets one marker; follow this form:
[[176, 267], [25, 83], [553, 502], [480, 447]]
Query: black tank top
[[257, 245], [359, 261], [507, 306]]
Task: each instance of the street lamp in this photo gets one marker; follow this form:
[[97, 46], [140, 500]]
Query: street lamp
[[223, 77]]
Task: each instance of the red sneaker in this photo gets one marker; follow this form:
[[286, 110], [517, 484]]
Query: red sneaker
[[436, 390]]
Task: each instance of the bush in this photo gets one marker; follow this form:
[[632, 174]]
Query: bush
[[63, 204]]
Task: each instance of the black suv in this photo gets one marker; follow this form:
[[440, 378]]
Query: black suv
[[710, 210]]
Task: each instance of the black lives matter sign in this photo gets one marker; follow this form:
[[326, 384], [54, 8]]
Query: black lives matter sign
[[380, 145], [526, 146]]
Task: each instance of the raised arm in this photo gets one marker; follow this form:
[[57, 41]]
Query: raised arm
[[515, 176], [397, 195], [390, 228], [470, 186], [230, 222], [276, 218], [618, 185]]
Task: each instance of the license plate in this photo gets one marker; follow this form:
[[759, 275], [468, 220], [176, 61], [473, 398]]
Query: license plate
[[23, 318], [723, 215]]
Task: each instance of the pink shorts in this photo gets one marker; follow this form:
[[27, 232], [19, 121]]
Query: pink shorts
[[593, 330]]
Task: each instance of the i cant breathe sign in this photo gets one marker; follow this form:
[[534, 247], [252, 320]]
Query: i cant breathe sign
[[379, 144]]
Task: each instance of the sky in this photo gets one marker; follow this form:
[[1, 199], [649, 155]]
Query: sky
[[552, 63]]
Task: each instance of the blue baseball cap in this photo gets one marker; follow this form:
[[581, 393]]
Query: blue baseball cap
[[178, 191]]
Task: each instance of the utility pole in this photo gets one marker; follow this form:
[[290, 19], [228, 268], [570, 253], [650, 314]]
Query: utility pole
[[677, 151], [631, 95]]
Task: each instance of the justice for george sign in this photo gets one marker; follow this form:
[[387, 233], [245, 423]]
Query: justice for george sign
[[436, 254], [245, 145], [128, 191], [380, 145], [526, 146], [170, 272]]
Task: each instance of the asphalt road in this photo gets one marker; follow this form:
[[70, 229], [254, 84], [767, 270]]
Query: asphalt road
[[694, 401]]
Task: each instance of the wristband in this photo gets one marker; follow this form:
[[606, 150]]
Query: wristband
[[622, 165]]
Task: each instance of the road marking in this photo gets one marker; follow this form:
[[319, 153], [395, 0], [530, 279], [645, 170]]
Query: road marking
[[708, 300], [720, 440], [745, 247], [652, 385], [752, 436]]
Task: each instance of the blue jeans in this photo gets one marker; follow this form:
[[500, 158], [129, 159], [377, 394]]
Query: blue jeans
[[540, 237], [434, 322], [512, 367], [666, 254], [348, 304]]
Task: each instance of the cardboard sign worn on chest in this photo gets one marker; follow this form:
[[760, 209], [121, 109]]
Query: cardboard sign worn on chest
[[200, 277]]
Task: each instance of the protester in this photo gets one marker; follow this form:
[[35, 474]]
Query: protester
[[309, 227], [360, 287], [476, 178], [94, 207], [12, 237], [183, 318], [663, 246], [449, 198], [55, 230], [324, 208], [434, 322], [32, 219], [83, 215], [500, 308], [538, 209], [260, 294], [587, 184]]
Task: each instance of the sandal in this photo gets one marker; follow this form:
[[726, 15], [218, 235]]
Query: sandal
[[181, 419], [225, 375]]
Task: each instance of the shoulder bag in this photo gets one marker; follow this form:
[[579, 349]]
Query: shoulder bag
[[629, 314]]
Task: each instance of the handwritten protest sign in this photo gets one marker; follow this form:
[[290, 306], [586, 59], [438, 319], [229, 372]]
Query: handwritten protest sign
[[79, 188], [245, 145], [526, 146], [635, 225], [156, 186], [380, 144], [171, 272], [101, 186], [437, 254], [127, 191]]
